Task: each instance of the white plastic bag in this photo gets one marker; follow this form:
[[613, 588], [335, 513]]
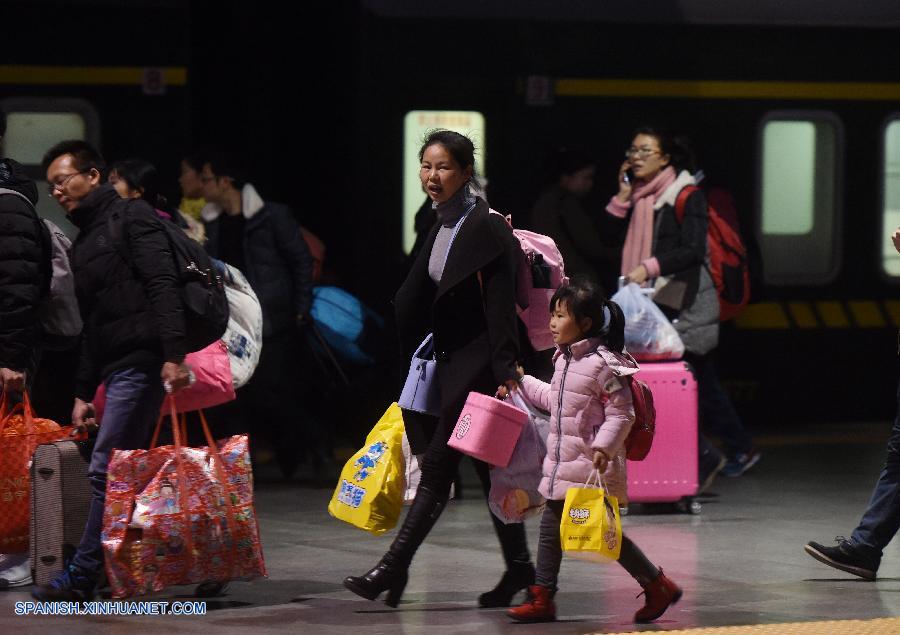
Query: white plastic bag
[[514, 492], [648, 333], [243, 335], [413, 473]]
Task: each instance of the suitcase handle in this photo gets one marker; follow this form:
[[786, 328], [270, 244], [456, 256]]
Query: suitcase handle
[[48, 559], [46, 471]]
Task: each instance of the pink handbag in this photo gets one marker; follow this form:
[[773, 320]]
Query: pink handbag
[[488, 429], [213, 384]]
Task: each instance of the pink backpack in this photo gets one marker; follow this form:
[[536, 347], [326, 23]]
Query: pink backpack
[[541, 272]]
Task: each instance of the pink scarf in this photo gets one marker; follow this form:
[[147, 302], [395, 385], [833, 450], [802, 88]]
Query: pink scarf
[[639, 239]]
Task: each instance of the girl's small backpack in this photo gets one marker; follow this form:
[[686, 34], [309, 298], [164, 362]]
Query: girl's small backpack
[[637, 445]]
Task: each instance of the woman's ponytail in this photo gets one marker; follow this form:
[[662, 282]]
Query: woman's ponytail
[[615, 332]]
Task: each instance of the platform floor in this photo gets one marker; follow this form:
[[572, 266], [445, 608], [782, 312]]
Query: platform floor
[[740, 561]]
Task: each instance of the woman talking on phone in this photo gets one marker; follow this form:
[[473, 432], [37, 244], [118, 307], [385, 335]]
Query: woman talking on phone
[[461, 288], [670, 254]]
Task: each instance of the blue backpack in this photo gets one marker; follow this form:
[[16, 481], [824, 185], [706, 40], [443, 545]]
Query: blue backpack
[[349, 327]]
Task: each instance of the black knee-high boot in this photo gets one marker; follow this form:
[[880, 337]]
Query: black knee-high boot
[[519, 572], [390, 574]]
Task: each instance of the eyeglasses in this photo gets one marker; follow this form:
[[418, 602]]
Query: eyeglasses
[[643, 153], [60, 185]]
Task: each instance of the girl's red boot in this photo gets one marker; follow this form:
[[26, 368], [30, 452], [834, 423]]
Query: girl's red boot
[[661, 593], [538, 606]]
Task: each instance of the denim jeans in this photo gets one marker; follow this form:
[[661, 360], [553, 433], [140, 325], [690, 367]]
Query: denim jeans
[[717, 413], [133, 399], [881, 520]]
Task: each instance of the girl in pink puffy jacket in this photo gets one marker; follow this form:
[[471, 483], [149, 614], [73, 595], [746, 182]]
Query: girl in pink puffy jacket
[[591, 412]]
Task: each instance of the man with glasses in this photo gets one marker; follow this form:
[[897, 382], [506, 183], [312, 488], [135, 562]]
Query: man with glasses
[[264, 240], [23, 278], [133, 339]]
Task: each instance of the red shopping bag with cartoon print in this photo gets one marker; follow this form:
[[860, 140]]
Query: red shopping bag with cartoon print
[[180, 515], [20, 433]]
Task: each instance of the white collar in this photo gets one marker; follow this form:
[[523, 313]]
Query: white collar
[[251, 203], [670, 195]]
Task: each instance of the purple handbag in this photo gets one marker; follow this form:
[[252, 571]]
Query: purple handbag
[[420, 392]]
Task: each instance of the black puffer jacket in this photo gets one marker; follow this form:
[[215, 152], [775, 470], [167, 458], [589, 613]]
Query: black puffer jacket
[[132, 313], [23, 272]]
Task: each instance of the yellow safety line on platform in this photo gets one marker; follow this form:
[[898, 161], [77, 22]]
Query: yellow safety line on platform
[[866, 314], [714, 89], [832, 314], [763, 315], [893, 310], [802, 314], [878, 626], [88, 75]]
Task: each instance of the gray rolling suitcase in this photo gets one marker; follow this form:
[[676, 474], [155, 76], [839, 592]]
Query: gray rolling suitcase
[[60, 499]]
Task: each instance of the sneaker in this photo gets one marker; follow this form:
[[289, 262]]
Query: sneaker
[[741, 463], [72, 585], [710, 466], [843, 557], [15, 570]]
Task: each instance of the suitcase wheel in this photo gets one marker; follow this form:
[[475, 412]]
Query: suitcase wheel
[[689, 505]]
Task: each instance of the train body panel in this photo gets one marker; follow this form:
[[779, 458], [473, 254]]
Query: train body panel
[[322, 126]]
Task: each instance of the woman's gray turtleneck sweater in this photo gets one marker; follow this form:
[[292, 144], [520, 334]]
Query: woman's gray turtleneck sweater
[[449, 213]]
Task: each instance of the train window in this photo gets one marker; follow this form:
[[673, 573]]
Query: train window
[[891, 198], [798, 220], [416, 126], [30, 134], [33, 126]]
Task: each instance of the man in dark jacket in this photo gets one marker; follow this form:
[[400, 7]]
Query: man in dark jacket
[[23, 275], [264, 241], [134, 333]]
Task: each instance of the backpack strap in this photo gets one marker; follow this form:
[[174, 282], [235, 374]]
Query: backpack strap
[[681, 201], [506, 217]]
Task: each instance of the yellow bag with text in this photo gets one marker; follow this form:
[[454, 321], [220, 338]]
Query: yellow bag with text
[[369, 493], [591, 528]]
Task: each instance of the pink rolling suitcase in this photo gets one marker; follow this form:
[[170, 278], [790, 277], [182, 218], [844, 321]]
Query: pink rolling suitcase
[[669, 472]]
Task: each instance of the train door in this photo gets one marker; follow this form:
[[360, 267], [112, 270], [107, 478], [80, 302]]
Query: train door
[[416, 126], [33, 126]]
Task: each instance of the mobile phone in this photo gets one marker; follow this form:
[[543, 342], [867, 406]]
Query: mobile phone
[[628, 176]]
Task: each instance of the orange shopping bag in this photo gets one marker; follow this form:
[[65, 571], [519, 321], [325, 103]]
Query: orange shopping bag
[[180, 515], [20, 433]]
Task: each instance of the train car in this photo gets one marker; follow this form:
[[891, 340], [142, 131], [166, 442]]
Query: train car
[[113, 74], [793, 110]]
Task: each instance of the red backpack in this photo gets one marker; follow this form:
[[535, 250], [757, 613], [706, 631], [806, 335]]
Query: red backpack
[[727, 258], [637, 445]]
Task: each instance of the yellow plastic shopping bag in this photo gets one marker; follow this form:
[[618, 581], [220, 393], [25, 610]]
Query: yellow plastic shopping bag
[[369, 493], [591, 528]]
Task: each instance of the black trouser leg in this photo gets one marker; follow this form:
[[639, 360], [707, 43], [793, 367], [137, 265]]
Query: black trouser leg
[[636, 563], [513, 542]]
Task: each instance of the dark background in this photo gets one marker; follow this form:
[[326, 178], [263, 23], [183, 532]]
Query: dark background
[[314, 94]]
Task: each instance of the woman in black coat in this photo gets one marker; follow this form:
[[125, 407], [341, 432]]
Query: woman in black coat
[[461, 288]]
